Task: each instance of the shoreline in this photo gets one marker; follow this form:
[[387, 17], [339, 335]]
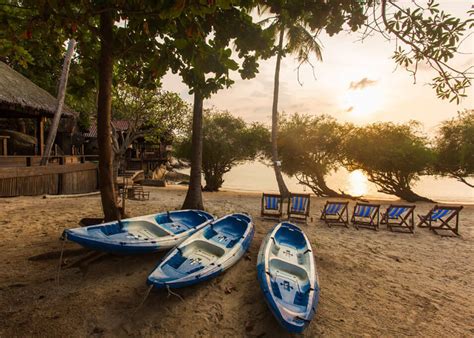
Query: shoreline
[[256, 176], [369, 198]]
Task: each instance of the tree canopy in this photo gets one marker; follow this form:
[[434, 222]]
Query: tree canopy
[[392, 155], [311, 148], [154, 114], [227, 141], [148, 38], [455, 148]]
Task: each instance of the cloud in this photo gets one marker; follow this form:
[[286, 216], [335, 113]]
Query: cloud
[[365, 82]]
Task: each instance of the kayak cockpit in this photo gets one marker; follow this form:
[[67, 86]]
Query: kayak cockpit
[[192, 258], [228, 231]]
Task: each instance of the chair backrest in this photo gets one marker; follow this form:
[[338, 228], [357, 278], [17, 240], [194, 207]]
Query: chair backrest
[[271, 202], [332, 208], [299, 203], [440, 213], [365, 210], [395, 212]]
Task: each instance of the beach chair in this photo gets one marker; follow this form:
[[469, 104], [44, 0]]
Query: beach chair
[[335, 213], [272, 206], [441, 218], [399, 218], [137, 193], [366, 215], [298, 207]]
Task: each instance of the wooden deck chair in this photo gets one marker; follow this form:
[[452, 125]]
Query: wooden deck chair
[[272, 206], [444, 215], [137, 193], [399, 218], [335, 213], [366, 215], [298, 207]]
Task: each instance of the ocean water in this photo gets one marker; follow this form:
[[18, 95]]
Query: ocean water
[[258, 177]]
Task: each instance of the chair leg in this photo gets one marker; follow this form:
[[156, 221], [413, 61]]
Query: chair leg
[[423, 222]]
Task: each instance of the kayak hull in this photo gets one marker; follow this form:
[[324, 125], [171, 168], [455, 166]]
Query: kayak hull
[[288, 277], [142, 234], [206, 254]]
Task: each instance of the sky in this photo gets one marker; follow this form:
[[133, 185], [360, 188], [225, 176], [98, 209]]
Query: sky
[[356, 82]]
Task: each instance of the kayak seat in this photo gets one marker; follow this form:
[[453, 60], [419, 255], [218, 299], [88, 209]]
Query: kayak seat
[[174, 227], [145, 230], [301, 299], [227, 232], [184, 264], [290, 237], [109, 229], [275, 289], [186, 219], [176, 260]]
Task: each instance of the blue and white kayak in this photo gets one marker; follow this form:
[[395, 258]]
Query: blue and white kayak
[[142, 234], [288, 277], [206, 253]]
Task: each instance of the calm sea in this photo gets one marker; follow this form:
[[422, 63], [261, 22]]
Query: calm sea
[[257, 177]]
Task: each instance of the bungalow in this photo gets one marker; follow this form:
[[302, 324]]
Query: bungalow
[[24, 111]]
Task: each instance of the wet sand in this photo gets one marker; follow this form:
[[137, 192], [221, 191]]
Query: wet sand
[[373, 283]]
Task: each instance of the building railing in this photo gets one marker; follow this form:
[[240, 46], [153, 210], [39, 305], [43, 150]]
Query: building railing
[[31, 160]]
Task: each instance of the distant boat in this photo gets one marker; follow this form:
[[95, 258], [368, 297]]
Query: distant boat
[[206, 253], [288, 277], [141, 234]]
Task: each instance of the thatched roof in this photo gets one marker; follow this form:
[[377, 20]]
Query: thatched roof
[[21, 97], [119, 125]]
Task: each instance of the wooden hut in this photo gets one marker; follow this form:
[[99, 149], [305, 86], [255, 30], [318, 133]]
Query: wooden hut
[[21, 99], [20, 174], [141, 155]]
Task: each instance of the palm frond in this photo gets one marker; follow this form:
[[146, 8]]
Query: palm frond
[[303, 43]]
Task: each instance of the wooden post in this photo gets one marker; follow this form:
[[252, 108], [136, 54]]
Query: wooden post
[[4, 144], [40, 135]]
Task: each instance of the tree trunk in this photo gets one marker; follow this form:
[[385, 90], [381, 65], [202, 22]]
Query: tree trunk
[[410, 196], [213, 179], [396, 185], [60, 102], [104, 114], [317, 184], [276, 86], [463, 179], [328, 192], [193, 198]]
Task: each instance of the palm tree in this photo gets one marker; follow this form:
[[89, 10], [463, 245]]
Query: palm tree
[[300, 41]]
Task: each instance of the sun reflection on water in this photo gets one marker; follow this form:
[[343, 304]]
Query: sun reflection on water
[[357, 183]]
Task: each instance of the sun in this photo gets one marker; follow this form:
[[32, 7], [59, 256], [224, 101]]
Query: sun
[[360, 104], [357, 183]]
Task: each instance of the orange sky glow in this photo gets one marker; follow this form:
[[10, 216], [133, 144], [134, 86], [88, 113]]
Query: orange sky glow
[[356, 82]]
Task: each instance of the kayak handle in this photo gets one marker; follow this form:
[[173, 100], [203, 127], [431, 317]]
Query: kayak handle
[[303, 319]]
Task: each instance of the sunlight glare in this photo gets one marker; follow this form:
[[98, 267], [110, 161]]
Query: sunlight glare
[[361, 104], [357, 183]]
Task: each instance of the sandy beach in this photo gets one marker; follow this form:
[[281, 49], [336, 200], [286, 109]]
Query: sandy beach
[[372, 283]]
